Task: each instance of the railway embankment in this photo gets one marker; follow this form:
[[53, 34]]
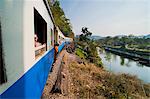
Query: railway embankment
[[83, 79]]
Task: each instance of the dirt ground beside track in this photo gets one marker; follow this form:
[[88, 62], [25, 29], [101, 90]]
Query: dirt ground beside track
[[65, 78]]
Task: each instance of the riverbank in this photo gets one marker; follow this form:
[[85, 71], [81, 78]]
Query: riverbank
[[140, 56], [117, 64], [82, 79]]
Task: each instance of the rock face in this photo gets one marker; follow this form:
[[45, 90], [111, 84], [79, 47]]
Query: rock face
[[70, 48]]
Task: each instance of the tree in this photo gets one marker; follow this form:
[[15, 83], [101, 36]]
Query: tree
[[60, 19], [85, 34]]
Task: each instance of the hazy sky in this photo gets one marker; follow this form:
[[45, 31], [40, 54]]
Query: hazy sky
[[109, 17]]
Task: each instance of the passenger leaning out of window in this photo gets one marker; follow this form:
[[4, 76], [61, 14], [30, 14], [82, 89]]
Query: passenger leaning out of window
[[36, 43]]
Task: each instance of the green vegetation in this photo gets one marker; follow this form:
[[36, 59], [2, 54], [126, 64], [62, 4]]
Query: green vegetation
[[81, 53], [60, 19], [87, 48], [127, 42]]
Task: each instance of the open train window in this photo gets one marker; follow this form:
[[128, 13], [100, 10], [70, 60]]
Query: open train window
[[3, 77], [40, 35], [55, 35], [52, 41]]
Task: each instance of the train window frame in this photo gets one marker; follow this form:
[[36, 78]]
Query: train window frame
[[40, 34], [3, 76]]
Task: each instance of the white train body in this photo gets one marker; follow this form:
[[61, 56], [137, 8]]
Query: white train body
[[60, 37], [20, 22], [67, 39]]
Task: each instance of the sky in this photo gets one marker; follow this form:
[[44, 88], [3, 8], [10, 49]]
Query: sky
[[109, 17]]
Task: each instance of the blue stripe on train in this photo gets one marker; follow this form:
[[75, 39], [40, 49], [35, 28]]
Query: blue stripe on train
[[61, 47], [32, 83]]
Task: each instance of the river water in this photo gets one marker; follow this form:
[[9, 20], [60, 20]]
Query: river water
[[118, 64]]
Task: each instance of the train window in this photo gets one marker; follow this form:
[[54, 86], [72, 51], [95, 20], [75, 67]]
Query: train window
[[40, 36], [52, 41], [55, 35], [3, 77]]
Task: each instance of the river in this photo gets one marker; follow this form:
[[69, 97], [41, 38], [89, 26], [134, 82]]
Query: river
[[118, 64]]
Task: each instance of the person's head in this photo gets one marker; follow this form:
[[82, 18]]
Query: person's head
[[35, 37], [57, 44]]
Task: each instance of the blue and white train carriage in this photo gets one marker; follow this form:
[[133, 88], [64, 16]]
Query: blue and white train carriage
[[27, 35], [61, 38]]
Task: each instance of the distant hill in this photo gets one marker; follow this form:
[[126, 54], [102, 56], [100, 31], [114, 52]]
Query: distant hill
[[96, 37], [147, 36], [141, 36]]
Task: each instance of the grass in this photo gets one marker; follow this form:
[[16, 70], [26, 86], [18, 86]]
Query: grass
[[80, 53], [93, 82]]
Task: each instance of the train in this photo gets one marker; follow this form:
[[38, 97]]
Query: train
[[27, 37]]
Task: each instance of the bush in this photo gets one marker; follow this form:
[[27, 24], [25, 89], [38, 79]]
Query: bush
[[80, 53]]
